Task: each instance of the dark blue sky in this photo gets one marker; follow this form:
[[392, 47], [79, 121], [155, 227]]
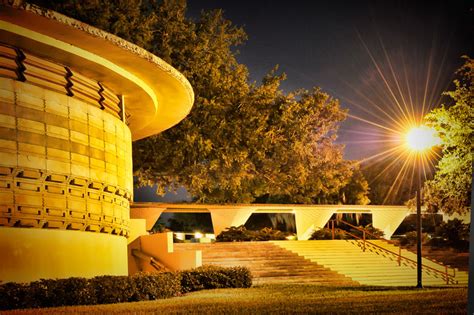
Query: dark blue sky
[[327, 44]]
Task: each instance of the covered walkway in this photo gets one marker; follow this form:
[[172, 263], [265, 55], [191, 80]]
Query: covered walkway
[[308, 217]]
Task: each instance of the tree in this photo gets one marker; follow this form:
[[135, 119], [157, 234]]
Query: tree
[[387, 184], [131, 20], [242, 141], [354, 192], [357, 190], [450, 189]]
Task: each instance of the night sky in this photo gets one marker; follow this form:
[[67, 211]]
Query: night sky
[[381, 59], [321, 43]]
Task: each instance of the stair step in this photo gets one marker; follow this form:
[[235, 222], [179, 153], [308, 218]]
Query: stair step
[[370, 267], [267, 262]]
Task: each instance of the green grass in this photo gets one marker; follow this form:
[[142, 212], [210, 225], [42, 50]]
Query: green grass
[[290, 299]]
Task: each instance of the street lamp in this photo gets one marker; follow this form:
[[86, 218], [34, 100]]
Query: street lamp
[[420, 139]]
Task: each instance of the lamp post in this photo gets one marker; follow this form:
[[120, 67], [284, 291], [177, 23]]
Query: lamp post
[[420, 139], [418, 222]]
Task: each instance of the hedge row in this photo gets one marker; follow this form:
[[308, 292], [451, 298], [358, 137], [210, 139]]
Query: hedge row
[[211, 277], [339, 234], [241, 234], [117, 289]]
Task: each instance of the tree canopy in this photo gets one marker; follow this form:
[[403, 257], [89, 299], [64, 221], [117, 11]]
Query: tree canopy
[[386, 184], [450, 189], [242, 141]]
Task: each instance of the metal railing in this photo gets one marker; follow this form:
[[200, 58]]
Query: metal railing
[[151, 260], [450, 278]]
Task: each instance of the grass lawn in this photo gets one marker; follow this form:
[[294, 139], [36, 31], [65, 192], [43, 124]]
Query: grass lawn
[[288, 299]]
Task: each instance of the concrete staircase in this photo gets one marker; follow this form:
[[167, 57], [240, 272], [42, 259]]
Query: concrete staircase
[[372, 267], [268, 262], [460, 276]]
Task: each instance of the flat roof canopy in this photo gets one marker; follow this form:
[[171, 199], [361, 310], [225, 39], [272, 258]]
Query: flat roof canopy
[[307, 217], [157, 96], [265, 208]]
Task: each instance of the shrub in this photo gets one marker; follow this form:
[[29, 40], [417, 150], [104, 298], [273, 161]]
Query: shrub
[[326, 234], [81, 291], [112, 289], [374, 233], [241, 234], [234, 234], [71, 291], [215, 277], [437, 242], [455, 233], [409, 238], [15, 295], [117, 289], [268, 234], [155, 286]]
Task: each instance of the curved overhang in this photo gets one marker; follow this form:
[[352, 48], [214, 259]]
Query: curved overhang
[[157, 96]]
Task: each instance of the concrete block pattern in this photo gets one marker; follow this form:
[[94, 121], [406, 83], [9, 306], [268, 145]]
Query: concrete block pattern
[[65, 162]]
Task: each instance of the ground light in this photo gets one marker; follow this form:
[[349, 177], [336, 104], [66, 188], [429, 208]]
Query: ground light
[[420, 139]]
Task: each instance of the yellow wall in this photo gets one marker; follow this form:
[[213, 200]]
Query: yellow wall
[[32, 254], [64, 163], [65, 179], [160, 247], [137, 229]]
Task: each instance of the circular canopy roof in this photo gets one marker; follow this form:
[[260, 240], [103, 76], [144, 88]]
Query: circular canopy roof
[[156, 95]]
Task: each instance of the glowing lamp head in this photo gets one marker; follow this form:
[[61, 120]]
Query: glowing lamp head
[[422, 138]]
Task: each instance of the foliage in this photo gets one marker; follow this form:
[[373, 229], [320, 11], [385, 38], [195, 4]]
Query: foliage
[[373, 233], [277, 221], [81, 291], [453, 233], [190, 222], [215, 277], [130, 20], [326, 234], [241, 140], [241, 234], [409, 239], [146, 287], [118, 289], [429, 222], [381, 175], [339, 234], [450, 189], [354, 192]]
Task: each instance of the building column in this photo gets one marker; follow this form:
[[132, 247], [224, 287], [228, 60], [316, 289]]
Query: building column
[[388, 220], [225, 218], [151, 215], [310, 219]]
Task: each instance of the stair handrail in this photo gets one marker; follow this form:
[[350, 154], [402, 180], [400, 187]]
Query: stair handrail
[[449, 278], [151, 260]]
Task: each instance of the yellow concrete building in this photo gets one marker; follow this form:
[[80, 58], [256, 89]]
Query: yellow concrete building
[[72, 100]]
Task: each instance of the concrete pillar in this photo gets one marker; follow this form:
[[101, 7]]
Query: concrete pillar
[[309, 220], [151, 215], [388, 220], [224, 218]]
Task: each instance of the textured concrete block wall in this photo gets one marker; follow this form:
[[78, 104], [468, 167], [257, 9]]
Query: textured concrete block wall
[[65, 154]]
